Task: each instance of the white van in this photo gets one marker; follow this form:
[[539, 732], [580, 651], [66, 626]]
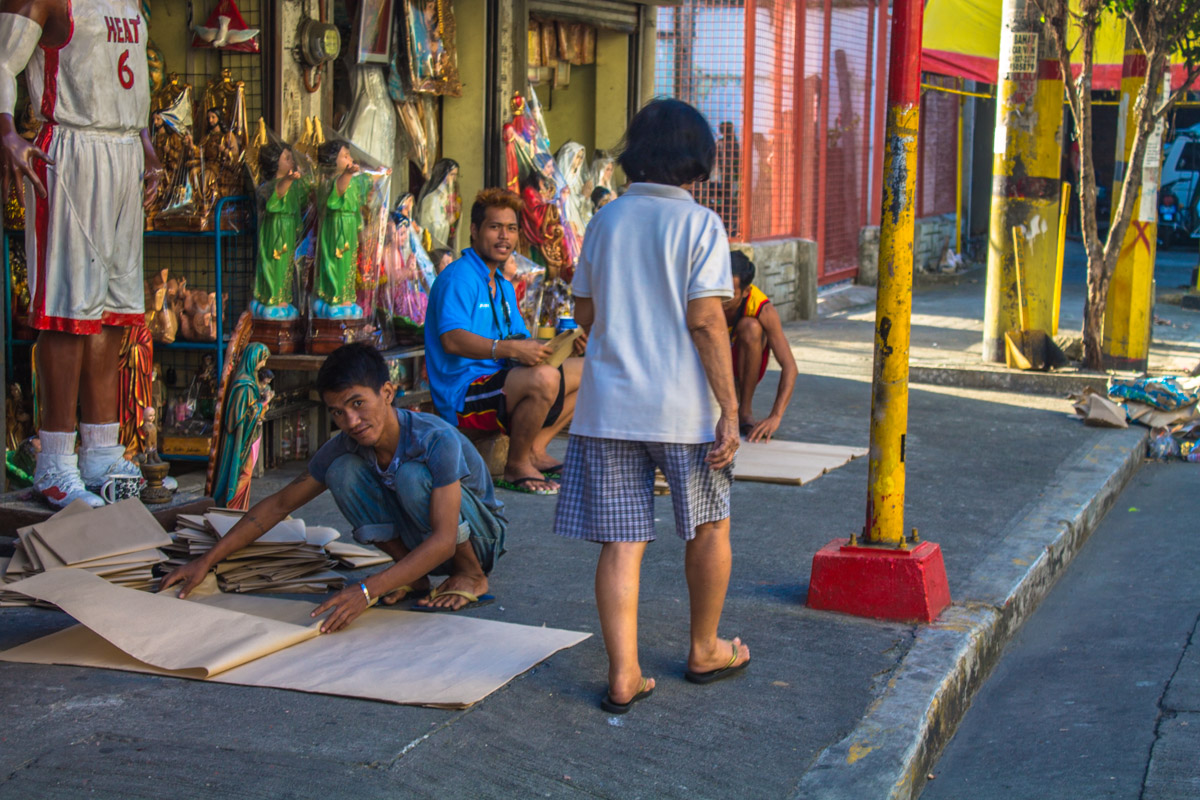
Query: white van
[[1181, 177]]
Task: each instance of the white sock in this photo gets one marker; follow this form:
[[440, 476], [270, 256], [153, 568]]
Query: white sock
[[103, 435], [56, 443]]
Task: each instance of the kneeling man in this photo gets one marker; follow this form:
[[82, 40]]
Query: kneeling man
[[485, 372], [408, 483], [755, 332]]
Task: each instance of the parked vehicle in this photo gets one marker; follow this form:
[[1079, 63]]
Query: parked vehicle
[[1179, 189], [1174, 220]]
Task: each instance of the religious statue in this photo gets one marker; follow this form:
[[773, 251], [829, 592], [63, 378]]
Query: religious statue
[[135, 375], [602, 171], [198, 321], [284, 201], [170, 93], [410, 271], [418, 241], [156, 66], [243, 410], [541, 223], [228, 98], [162, 319], [345, 195], [439, 205], [520, 143], [222, 159], [18, 421], [150, 436], [578, 193]]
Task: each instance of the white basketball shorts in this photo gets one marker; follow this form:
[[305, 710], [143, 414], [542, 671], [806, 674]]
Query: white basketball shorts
[[84, 240]]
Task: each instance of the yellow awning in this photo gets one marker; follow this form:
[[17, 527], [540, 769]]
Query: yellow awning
[[961, 38]]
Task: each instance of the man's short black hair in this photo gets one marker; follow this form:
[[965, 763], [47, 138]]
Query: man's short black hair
[[668, 142], [356, 364], [743, 268], [598, 194]]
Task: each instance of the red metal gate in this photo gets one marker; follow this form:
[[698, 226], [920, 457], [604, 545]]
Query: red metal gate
[[798, 142]]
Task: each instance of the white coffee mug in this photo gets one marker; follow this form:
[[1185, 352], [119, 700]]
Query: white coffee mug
[[121, 487]]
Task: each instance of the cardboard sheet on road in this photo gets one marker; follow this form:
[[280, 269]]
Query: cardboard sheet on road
[[795, 463], [443, 660]]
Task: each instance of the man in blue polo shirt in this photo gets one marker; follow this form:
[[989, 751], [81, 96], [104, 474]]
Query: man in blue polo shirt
[[485, 371]]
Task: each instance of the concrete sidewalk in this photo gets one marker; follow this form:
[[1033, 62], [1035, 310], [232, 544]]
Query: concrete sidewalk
[[832, 706]]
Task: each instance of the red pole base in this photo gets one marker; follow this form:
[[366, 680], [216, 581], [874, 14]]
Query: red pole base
[[902, 585]]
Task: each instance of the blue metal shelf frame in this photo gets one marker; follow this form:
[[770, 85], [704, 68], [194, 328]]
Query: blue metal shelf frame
[[219, 234]]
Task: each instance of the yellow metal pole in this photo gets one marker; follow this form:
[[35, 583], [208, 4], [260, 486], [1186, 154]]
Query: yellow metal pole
[[1025, 175], [1063, 207], [893, 303], [958, 185], [1127, 314]]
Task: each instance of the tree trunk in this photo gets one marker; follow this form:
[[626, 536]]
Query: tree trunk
[[1093, 314]]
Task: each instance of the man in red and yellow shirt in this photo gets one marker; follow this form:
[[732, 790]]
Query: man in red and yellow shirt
[[756, 332]]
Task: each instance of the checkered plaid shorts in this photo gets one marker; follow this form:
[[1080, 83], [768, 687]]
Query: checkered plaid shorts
[[607, 489]]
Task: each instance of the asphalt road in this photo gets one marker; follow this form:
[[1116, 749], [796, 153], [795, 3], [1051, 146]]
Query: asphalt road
[[1098, 695]]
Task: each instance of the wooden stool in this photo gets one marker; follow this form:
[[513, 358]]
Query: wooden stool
[[494, 449]]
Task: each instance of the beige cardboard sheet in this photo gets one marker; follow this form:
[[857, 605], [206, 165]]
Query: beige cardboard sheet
[[113, 530], [161, 629], [795, 463], [445, 660]]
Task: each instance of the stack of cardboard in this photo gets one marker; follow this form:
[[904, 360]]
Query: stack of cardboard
[[291, 557], [117, 542]]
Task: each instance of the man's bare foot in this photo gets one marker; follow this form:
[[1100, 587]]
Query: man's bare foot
[[474, 584], [544, 461], [621, 691], [420, 586], [536, 483], [718, 656]]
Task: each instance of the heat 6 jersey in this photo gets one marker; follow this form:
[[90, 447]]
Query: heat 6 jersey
[[98, 80]]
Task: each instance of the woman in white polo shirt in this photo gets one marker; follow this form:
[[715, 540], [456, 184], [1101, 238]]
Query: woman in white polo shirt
[[657, 391]]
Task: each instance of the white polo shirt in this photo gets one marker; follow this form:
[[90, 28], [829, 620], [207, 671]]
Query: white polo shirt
[[645, 255]]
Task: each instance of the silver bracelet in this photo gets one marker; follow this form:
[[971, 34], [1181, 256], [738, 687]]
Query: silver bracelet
[[366, 594], [494, 343]]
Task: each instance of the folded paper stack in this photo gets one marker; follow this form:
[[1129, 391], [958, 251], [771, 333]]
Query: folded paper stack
[[292, 557], [118, 542]]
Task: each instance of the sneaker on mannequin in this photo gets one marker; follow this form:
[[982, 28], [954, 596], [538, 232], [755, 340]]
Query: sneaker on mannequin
[[57, 479], [98, 464]]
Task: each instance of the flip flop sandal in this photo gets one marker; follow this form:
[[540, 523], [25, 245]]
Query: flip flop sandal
[[521, 485], [613, 707], [473, 601], [553, 473], [717, 674]]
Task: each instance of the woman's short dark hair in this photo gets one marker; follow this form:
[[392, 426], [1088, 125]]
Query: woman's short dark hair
[[598, 194], [742, 267], [668, 142], [356, 364]]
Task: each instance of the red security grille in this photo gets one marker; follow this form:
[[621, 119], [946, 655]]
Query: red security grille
[[772, 148], [799, 141], [701, 60], [937, 169], [847, 160]]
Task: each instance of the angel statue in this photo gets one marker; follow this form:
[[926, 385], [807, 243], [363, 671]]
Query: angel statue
[[285, 198], [345, 196]]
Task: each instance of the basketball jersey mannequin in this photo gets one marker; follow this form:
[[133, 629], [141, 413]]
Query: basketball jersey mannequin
[[86, 72]]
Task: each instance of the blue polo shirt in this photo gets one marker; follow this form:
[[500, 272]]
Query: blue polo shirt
[[459, 300]]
